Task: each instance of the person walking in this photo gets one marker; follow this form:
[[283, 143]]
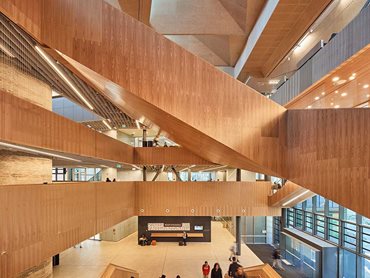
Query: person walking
[[233, 267], [233, 253], [276, 263], [206, 269], [216, 271]]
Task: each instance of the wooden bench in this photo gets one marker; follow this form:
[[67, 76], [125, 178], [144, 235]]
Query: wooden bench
[[153, 235]]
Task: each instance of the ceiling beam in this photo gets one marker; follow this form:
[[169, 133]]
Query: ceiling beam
[[255, 35]]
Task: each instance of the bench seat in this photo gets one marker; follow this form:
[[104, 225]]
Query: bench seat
[[154, 235]]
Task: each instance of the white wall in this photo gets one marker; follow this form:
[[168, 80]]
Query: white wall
[[121, 230]]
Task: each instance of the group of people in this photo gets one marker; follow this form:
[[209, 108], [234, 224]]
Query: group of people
[[235, 270]]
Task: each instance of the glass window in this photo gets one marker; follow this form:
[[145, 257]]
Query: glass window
[[320, 226], [347, 264], [365, 221], [349, 235], [290, 216], [299, 219], [364, 268], [333, 230], [309, 222], [308, 204], [365, 241], [349, 215], [299, 206], [333, 209], [320, 204]]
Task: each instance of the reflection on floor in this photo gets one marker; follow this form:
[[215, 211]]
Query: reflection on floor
[[151, 261], [264, 252]]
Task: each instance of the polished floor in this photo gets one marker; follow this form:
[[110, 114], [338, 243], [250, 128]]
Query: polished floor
[[151, 261]]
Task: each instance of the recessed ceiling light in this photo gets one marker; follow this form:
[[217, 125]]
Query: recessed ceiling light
[[343, 94], [309, 107], [336, 92], [317, 98], [365, 86], [323, 93], [367, 95], [335, 79], [331, 103], [336, 106], [351, 77]]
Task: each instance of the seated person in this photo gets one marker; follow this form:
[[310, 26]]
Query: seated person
[[143, 240]]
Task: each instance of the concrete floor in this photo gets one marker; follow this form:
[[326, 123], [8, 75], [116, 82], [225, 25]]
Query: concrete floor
[[151, 261]]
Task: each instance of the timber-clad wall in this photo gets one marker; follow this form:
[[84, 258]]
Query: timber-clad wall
[[51, 218], [354, 37]]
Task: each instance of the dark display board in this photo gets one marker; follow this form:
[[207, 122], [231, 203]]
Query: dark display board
[[174, 224]]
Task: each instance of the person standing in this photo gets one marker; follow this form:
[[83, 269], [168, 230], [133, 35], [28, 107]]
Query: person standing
[[206, 269], [276, 256], [216, 271], [233, 267], [184, 238]]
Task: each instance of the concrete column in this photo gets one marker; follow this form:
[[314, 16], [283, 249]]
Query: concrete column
[[238, 234], [19, 167]]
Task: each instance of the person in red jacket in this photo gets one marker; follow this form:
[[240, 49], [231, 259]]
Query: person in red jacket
[[206, 269]]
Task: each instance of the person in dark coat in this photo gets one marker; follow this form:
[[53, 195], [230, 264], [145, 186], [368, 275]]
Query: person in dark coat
[[239, 273], [216, 271], [233, 267]]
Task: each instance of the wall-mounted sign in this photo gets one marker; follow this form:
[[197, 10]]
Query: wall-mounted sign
[[168, 227]]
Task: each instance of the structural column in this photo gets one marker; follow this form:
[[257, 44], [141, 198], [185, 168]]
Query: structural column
[[238, 235]]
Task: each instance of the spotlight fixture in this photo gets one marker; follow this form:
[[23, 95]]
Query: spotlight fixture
[[317, 98], [335, 79], [343, 94]]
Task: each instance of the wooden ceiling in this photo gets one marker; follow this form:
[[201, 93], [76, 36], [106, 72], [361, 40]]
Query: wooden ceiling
[[287, 25], [352, 89]]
